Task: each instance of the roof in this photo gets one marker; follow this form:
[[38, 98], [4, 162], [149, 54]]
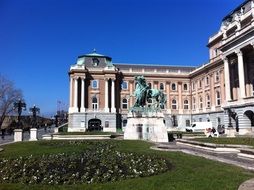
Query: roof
[[151, 66], [94, 54], [236, 9]]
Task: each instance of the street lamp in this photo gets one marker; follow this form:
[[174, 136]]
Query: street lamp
[[34, 111], [56, 120], [19, 105]]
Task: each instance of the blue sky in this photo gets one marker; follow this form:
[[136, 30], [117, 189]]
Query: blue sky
[[41, 39]]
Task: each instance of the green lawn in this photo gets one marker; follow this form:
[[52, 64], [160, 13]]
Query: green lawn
[[236, 140], [189, 172]]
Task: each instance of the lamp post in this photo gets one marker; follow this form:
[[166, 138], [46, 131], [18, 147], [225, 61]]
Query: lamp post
[[34, 111], [19, 105], [56, 120]]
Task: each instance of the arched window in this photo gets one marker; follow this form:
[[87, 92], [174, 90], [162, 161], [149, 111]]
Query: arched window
[[95, 103], [173, 86], [200, 103], [208, 105], [218, 98], [185, 104], [185, 87], [193, 85], [207, 80], [161, 86], [194, 103], [174, 104], [200, 83], [124, 103]]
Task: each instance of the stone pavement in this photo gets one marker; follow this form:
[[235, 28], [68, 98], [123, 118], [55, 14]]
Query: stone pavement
[[228, 158], [247, 185]]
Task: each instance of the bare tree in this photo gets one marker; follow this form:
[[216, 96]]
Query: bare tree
[[8, 95]]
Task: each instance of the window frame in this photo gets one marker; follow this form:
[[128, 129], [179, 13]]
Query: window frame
[[172, 87], [208, 101], [217, 76], [186, 104], [95, 105], [218, 99], [161, 83], [186, 87], [174, 105], [125, 103], [127, 85], [200, 102], [97, 84], [194, 103]]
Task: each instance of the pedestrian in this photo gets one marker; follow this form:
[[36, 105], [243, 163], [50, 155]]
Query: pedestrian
[[3, 133], [45, 127]]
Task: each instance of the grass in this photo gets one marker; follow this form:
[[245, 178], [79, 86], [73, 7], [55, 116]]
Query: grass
[[189, 172], [236, 140]]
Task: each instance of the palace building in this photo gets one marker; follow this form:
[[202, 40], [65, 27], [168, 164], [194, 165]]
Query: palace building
[[220, 91]]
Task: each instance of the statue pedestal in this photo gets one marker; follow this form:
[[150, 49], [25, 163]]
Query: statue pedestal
[[230, 132], [18, 135], [33, 134], [146, 126]]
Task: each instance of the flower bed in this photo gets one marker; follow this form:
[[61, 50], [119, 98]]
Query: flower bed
[[99, 162]]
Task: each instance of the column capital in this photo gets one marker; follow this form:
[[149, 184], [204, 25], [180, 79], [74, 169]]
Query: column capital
[[252, 44], [224, 58], [238, 52]]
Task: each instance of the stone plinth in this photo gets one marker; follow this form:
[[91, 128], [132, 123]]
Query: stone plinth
[[33, 134], [18, 135], [230, 132], [149, 126]]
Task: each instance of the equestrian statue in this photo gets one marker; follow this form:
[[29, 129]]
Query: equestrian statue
[[143, 93]]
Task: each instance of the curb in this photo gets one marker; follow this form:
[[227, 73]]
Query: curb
[[247, 185]]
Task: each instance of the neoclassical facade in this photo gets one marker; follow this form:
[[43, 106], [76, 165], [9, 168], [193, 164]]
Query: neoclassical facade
[[221, 91]]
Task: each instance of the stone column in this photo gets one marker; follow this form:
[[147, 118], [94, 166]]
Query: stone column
[[82, 109], [252, 12], [113, 107], [106, 108], [71, 95], [227, 79], [222, 88], [179, 88], [75, 109], [241, 74], [212, 94], [71, 81], [33, 134]]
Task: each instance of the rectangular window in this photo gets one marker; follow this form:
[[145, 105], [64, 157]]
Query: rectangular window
[[187, 122], [125, 85], [95, 84], [106, 124], [217, 76]]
